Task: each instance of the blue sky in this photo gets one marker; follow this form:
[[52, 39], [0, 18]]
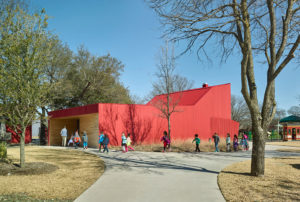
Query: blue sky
[[130, 31]]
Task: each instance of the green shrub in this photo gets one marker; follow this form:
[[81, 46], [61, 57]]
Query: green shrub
[[3, 151]]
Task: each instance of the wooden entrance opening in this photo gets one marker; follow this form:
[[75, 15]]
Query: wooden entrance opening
[[88, 123]]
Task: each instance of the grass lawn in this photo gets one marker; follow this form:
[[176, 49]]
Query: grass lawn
[[61, 174], [287, 143], [280, 183]]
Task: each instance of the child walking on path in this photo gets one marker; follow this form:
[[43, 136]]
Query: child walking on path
[[197, 140], [165, 140], [85, 140], [129, 143], [124, 143], [105, 142], [216, 140], [235, 143], [228, 142], [246, 142], [101, 138], [243, 142]]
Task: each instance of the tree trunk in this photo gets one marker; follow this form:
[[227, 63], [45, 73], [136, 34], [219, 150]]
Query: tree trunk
[[43, 128], [169, 128], [258, 151], [22, 149]]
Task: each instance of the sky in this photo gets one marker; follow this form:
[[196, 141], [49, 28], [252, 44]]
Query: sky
[[131, 32]]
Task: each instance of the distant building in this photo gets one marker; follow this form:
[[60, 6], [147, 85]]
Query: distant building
[[291, 127], [203, 111]]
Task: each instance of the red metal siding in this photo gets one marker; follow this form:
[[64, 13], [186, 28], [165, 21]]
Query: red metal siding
[[203, 111], [142, 122]]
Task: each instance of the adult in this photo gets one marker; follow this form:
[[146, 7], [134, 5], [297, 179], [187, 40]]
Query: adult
[[64, 134], [216, 140]]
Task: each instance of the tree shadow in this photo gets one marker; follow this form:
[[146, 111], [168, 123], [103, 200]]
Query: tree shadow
[[138, 127], [114, 162], [297, 166], [109, 124], [237, 173]]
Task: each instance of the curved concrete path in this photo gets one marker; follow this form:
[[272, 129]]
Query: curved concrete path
[[150, 176]]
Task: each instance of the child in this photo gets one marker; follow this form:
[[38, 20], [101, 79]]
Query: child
[[197, 140], [235, 143], [85, 140], [105, 142], [71, 141], [246, 142], [101, 138], [129, 143], [243, 143], [216, 140], [77, 139], [124, 143], [165, 140], [228, 142]]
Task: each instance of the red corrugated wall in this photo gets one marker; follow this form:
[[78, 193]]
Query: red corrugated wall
[[212, 113], [142, 122]]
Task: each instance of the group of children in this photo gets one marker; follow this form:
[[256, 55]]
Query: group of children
[[243, 142], [126, 143], [75, 140]]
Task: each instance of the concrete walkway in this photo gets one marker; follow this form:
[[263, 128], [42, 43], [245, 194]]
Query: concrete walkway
[[150, 176]]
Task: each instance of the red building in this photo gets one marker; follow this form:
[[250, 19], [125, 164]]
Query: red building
[[204, 111], [291, 128]]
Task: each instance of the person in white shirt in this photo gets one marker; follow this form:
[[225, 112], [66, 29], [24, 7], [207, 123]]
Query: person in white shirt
[[64, 134]]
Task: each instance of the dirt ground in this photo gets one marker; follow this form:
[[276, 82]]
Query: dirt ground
[[286, 143], [280, 183], [61, 174]]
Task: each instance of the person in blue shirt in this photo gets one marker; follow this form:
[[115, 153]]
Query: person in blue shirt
[[101, 138], [124, 143], [105, 143]]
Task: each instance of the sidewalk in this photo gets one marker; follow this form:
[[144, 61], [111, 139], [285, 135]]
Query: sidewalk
[[146, 176], [155, 176]]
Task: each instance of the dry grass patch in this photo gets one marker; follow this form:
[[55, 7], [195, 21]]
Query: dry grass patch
[[76, 172], [287, 143], [183, 146], [280, 183], [289, 150]]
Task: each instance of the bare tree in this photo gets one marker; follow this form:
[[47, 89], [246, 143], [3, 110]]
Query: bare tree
[[167, 83], [240, 112], [294, 110], [268, 29]]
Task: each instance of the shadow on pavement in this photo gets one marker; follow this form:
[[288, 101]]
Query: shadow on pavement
[[140, 163]]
